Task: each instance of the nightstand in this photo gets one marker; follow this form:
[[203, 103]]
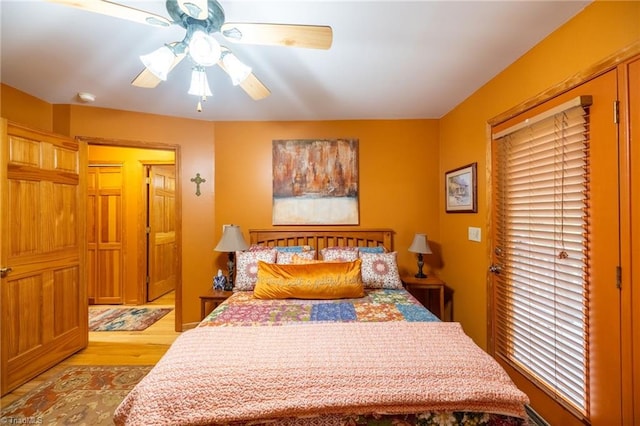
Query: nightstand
[[431, 283], [214, 298]]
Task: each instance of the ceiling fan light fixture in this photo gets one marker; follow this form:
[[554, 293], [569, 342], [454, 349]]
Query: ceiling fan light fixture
[[203, 48], [235, 68], [159, 61], [199, 83]]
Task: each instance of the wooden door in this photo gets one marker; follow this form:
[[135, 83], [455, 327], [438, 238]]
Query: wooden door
[[604, 382], [105, 230], [44, 300], [162, 259]]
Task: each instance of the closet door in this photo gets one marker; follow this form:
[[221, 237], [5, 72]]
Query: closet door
[[42, 252], [105, 231]]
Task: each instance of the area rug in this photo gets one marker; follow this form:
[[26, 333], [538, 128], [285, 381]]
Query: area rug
[[124, 319], [80, 395]]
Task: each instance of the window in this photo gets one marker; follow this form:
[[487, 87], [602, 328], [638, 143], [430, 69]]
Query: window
[[541, 209]]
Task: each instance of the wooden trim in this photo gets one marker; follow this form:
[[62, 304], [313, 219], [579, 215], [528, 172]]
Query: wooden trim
[[595, 70]]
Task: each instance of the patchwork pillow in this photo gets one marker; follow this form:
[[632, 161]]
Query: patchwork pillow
[[247, 267], [286, 257], [326, 280], [342, 254], [380, 270]]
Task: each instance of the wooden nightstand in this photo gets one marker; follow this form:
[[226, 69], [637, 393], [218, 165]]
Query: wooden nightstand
[[432, 282], [214, 298]]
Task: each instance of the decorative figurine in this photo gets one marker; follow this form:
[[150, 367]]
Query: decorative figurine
[[219, 281]]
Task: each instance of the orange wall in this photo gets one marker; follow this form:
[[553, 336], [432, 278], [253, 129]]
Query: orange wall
[[602, 29], [133, 172], [398, 174], [398, 166], [25, 109]]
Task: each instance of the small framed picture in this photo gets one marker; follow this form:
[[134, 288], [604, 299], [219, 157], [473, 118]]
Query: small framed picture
[[461, 189]]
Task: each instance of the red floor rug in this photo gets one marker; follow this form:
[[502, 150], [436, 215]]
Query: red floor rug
[[82, 395], [124, 319]]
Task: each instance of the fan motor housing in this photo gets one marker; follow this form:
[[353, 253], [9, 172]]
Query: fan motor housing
[[214, 20]]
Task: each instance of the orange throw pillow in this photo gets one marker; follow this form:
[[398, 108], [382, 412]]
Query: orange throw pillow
[[334, 280]]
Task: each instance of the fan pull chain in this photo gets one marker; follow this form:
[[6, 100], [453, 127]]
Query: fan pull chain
[[199, 107]]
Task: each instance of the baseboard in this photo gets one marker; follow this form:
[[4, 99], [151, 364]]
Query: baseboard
[[534, 417]]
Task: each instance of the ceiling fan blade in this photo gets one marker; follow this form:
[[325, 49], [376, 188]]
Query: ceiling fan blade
[[116, 10], [197, 9], [149, 80], [254, 88], [309, 36], [146, 79]]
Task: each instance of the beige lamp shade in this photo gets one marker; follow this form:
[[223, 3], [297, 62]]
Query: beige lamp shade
[[232, 240], [420, 244]]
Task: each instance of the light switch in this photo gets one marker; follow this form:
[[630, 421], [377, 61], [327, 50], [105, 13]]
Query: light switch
[[475, 234]]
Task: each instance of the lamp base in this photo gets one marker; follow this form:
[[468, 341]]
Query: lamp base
[[231, 267], [420, 274]]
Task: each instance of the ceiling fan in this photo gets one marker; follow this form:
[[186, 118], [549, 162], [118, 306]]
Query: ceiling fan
[[201, 19]]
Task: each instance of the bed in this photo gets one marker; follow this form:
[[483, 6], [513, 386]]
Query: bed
[[309, 342]]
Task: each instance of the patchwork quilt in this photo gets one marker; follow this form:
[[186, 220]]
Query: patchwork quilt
[[378, 305]]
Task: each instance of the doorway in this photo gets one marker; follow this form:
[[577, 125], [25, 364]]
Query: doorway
[[150, 225]]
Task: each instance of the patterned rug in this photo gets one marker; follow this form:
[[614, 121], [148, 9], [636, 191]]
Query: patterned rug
[[82, 395], [124, 319]]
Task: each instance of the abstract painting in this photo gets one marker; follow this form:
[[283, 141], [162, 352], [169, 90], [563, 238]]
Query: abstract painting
[[315, 182]]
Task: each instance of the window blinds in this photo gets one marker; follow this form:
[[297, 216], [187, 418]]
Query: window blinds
[[542, 246]]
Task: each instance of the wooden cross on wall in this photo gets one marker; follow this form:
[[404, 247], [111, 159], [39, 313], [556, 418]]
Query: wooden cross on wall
[[198, 180]]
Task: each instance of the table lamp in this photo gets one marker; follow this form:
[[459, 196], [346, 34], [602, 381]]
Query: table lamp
[[231, 241], [420, 245]]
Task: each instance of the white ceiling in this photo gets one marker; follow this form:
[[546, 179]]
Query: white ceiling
[[389, 59]]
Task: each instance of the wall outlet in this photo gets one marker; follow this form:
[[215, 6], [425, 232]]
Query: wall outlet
[[475, 234]]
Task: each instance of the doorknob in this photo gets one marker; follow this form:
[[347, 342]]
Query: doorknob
[[4, 272], [494, 269]]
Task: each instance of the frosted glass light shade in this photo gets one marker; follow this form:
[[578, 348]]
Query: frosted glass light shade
[[236, 69], [199, 83], [204, 49], [159, 62]]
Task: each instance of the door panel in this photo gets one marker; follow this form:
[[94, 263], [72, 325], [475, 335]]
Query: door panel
[[105, 234], [44, 302], [162, 262]]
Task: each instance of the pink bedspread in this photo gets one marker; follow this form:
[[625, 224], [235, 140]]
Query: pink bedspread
[[237, 374]]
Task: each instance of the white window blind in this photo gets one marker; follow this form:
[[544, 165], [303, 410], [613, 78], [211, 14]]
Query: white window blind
[[542, 247]]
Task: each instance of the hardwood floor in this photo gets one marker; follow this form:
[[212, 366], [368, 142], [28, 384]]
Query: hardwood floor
[[144, 347]]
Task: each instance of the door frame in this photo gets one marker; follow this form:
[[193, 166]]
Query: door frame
[[178, 226]]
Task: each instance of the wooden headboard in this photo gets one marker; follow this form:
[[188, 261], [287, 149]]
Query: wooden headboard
[[320, 238]]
